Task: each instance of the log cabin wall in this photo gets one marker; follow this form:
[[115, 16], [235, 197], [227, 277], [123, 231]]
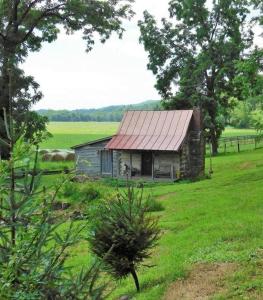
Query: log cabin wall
[[166, 164], [89, 160]]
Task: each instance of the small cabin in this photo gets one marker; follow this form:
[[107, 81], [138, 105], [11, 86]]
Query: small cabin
[[148, 144]]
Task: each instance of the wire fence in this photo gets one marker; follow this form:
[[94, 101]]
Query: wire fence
[[239, 143]]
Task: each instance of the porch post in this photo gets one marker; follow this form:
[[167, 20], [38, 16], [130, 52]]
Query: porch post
[[152, 165], [130, 164]]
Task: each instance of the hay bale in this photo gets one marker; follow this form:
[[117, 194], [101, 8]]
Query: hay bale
[[59, 156], [47, 157], [70, 157], [55, 150], [43, 151]]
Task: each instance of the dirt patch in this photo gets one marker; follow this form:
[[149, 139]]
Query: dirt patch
[[203, 281], [166, 196], [246, 165]]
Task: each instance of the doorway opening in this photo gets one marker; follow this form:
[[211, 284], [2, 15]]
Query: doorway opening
[[147, 163]]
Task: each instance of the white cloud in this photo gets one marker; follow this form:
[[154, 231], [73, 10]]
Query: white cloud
[[112, 73]]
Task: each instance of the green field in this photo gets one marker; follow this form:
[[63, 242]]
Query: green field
[[217, 221], [237, 132], [212, 221], [68, 134]]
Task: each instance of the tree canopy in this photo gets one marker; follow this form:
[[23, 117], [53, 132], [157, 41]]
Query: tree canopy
[[26, 24], [194, 55]]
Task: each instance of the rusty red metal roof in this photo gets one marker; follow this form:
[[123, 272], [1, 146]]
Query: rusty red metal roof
[[152, 130]]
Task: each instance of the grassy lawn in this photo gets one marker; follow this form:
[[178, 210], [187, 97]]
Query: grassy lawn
[[68, 134], [218, 220]]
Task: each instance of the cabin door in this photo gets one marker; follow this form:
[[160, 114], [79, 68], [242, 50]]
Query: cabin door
[[147, 163], [106, 162]]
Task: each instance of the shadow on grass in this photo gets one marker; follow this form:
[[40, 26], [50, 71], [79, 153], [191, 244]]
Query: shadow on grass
[[145, 286]]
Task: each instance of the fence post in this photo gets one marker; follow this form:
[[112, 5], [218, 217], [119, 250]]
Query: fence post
[[238, 146]]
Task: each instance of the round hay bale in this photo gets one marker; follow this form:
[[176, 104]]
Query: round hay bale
[[55, 150], [43, 151], [59, 156], [47, 157], [70, 157]]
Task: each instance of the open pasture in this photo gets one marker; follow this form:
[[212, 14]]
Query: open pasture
[[212, 222], [208, 224], [229, 131], [68, 134]]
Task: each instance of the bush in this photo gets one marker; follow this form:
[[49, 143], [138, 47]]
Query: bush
[[115, 182], [35, 245], [124, 234], [89, 193], [152, 205], [70, 190]]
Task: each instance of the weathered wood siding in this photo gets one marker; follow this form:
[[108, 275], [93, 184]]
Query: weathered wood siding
[[88, 160], [166, 164], [124, 159], [116, 163]]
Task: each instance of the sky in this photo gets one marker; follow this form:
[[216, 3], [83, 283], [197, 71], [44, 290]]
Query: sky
[[111, 74]]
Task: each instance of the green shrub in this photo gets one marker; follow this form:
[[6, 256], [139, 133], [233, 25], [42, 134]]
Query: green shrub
[[115, 182], [70, 189], [153, 205], [35, 245], [89, 193]]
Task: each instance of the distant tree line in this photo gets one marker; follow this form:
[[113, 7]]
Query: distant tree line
[[107, 114]]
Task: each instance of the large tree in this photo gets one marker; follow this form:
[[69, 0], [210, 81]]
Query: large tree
[[26, 24], [258, 5], [194, 55]]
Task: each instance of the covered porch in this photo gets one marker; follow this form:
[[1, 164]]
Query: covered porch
[[149, 165]]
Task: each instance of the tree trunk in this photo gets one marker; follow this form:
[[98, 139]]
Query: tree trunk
[[4, 101], [214, 142], [135, 278]]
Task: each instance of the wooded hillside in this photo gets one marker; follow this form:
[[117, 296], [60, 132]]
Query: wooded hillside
[[106, 114]]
